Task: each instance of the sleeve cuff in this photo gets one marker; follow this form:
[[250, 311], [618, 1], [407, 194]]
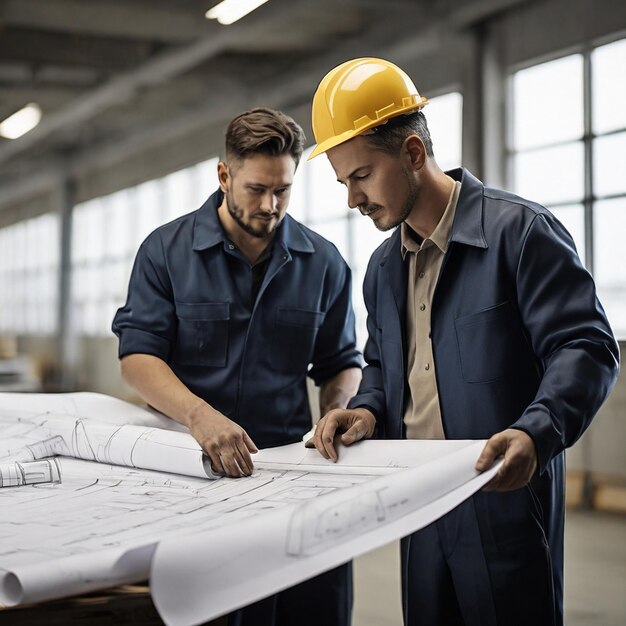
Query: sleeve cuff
[[361, 405], [135, 341], [540, 429], [320, 373]]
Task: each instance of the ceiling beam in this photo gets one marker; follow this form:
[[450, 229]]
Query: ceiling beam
[[469, 13], [108, 18], [40, 49]]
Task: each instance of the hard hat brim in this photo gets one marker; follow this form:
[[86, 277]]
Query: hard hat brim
[[336, 140]]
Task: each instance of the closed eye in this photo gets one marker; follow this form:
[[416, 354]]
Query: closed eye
[[355, 176]]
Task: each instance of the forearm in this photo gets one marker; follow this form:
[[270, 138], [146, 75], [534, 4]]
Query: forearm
[[225, 442], [335, 393], [157, 384]]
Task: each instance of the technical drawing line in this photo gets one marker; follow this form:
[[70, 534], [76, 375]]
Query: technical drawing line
[[17, 474]]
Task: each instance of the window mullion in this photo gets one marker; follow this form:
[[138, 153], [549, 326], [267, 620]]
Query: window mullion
[[588, 161]]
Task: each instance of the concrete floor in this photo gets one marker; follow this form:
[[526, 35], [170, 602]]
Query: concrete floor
[[595, 575]]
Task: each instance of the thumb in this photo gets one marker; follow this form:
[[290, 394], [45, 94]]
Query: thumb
[[495, 447]]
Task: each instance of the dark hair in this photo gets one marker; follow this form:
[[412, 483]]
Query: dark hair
[[390, 136], [264, 131]]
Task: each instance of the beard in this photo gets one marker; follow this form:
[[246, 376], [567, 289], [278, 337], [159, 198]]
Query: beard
[[237, 213], [407, 205]]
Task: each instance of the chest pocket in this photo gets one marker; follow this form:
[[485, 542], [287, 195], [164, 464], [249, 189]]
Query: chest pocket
[[202, 333], [295, 332], [490, 344]]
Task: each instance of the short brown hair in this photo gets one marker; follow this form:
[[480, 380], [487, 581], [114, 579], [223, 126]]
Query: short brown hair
[[264, 131], [390, 136]]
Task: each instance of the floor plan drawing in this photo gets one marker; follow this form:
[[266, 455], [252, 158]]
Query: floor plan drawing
[[108, 520], [311, 536]]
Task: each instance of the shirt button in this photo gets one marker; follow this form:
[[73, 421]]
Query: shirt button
[[421, 274], [231, 246], [427, 366], [422, 307]]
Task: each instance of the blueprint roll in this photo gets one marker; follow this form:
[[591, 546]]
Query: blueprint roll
[[18, 473], [128, 445]]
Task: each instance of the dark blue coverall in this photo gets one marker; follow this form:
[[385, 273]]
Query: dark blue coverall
[[520, 340], [244, 338]]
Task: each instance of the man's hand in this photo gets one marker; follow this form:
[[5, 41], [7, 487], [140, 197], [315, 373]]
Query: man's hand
[[227, 444], [520, 460], [355, 424]]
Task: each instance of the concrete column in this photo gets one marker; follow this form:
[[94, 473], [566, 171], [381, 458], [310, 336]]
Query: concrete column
[[484, 99], [493, 95], [67, 339], [472, 144]]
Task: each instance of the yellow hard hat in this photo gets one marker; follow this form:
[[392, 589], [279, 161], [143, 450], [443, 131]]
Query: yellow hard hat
[[358, 95]]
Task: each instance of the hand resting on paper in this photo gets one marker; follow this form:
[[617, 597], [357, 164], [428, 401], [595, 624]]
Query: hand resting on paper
[[349, 425], [520, 460], [226, 443]]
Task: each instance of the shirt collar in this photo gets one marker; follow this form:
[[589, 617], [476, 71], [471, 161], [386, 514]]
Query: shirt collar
[[441, 235], [208, 231]]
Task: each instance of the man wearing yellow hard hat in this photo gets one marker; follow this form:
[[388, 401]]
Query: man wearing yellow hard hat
[[483, 324]]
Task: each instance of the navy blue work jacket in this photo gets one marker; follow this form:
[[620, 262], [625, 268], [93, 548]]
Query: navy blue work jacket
[[519, 337], [519, 340], [248, 360]]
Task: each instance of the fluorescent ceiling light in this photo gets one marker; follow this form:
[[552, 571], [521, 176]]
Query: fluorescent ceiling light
[[21, 122], [229, 11]]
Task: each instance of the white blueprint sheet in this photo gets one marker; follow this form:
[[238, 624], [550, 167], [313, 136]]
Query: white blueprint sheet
[[208, 546]]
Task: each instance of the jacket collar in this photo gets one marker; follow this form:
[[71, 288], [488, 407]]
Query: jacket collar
[[208, 231], [468, 221]]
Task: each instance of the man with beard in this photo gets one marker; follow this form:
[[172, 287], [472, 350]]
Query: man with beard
[[483, 324], [229, 309]]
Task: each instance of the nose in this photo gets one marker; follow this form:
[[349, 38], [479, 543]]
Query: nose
[[268, 202], [355, 196]]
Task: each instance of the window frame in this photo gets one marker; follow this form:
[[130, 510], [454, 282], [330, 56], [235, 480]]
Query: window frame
[[589, 197]]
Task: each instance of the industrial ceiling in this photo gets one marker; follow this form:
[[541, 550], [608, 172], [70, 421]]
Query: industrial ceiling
[[119, 80]]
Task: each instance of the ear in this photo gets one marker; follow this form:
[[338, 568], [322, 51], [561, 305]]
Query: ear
[[223, 176], [414, 150]]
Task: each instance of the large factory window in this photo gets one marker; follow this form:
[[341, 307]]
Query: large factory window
[[567, 149]]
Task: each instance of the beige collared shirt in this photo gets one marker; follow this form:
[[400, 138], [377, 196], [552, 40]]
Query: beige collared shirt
[[422, 415]]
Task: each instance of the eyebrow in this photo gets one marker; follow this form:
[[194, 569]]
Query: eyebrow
[[262, 186]]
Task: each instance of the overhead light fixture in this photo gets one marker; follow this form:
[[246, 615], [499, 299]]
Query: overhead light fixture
[[229, 11], [21, 121]]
